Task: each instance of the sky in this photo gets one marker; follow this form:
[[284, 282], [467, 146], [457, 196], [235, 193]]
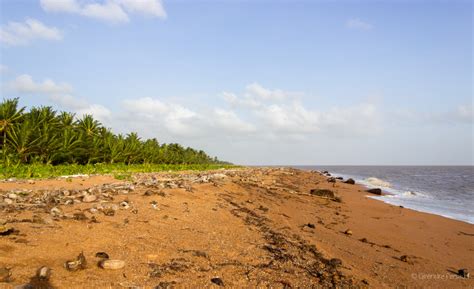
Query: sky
[[255, 82]]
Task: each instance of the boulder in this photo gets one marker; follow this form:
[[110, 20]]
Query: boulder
[[322, 193], [350, 182], [375, 191], [331, 180]]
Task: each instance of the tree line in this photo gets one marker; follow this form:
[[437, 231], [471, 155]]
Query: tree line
[[43, 135]]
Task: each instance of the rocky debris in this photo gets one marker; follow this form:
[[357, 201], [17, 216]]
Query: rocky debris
[[5, 231], [218, 281], [5, 274], [89, 198], [165, 285], [407, 259], [339, 178], [102, 255], [331, 180], [39, 281], [348, 232], [111, 264], [310, 225], [124, 205], [463, 273], [79, 264], [80, 216], [350, 181], [375, 191], [322, 193], [335, 262]]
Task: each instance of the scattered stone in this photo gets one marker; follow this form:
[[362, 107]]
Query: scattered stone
[[108, 211], [5, 231], [375, 191], [89, 198], [339, 178], [335, 262], [55, 211], [350, 182], [322, 193], [111, 264], [102, 255], [43, 273], [331, 180], [79, 216], [406, 259], [165, 285], [8, 201], [312, 226], [218, 281], [348, 232], [364, 240], [5, 274], [3, 221], [78, 264], [463, 273], [12, 196], [124, 205], [402, 207]]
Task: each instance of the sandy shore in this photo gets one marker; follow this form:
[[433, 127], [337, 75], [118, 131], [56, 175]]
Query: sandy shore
[[251, 227]]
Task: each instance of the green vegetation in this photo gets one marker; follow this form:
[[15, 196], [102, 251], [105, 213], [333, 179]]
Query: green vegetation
[[45, 143]]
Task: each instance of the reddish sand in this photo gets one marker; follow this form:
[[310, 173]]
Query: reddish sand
[[250, 229]]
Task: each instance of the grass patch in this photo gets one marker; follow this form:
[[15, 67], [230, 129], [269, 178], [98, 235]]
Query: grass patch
[[120, 171]]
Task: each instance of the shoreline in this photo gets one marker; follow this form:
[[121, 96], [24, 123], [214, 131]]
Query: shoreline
[[389, 191], [247, 218]]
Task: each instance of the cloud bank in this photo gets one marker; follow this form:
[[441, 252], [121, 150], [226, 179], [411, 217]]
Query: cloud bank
[[23, 33], [110, 11]]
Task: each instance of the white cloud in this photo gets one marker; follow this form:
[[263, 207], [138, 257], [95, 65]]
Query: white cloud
[[145, 7], [111, 11], [99, 112], [259, 91], [357, 24], [25, 84], [16, 33]]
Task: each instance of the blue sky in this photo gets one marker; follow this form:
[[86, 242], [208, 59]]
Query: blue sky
[[255, 82]]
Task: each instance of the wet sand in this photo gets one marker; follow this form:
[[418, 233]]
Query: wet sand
[[250, 227]]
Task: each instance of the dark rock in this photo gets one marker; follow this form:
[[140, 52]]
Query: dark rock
[[350, 181], [339, 178], [406, 259], [5, 274], [102, 255], [79, 216], [331, 180], [325, 172], [218, 281], [5, 231], [108, 211], [335, 262], [165, 285], [364, 240], [463, 273], [322, 193], [312, 226], [375, 191]]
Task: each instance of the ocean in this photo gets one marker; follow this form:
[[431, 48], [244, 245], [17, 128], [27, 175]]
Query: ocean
[[442, 190]]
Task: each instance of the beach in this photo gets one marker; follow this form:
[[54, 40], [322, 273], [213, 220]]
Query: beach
[[235, 228]]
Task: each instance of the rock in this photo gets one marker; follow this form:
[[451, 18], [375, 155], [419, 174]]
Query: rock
[[218, 281], [348, 232], [331, 180], [312, 226], [78, 264], [3, 221], [375, 191], [339, 178], [5, 274], [12, 196], [463, 273], [5, 231], [43, 273], [79, 216], [335, 262], [102, 255], [108, 211], [406, 259], [165, 285], [89, 198], [322, 193], [124, 205], [350, 182], [8, 201], [111, 264], [55, 211]]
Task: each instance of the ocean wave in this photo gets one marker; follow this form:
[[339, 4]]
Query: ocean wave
[[373, 181]]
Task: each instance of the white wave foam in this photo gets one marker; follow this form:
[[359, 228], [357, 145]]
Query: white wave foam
[[378, 182]]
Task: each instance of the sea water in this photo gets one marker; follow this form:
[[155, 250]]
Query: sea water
[[442, 190]]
